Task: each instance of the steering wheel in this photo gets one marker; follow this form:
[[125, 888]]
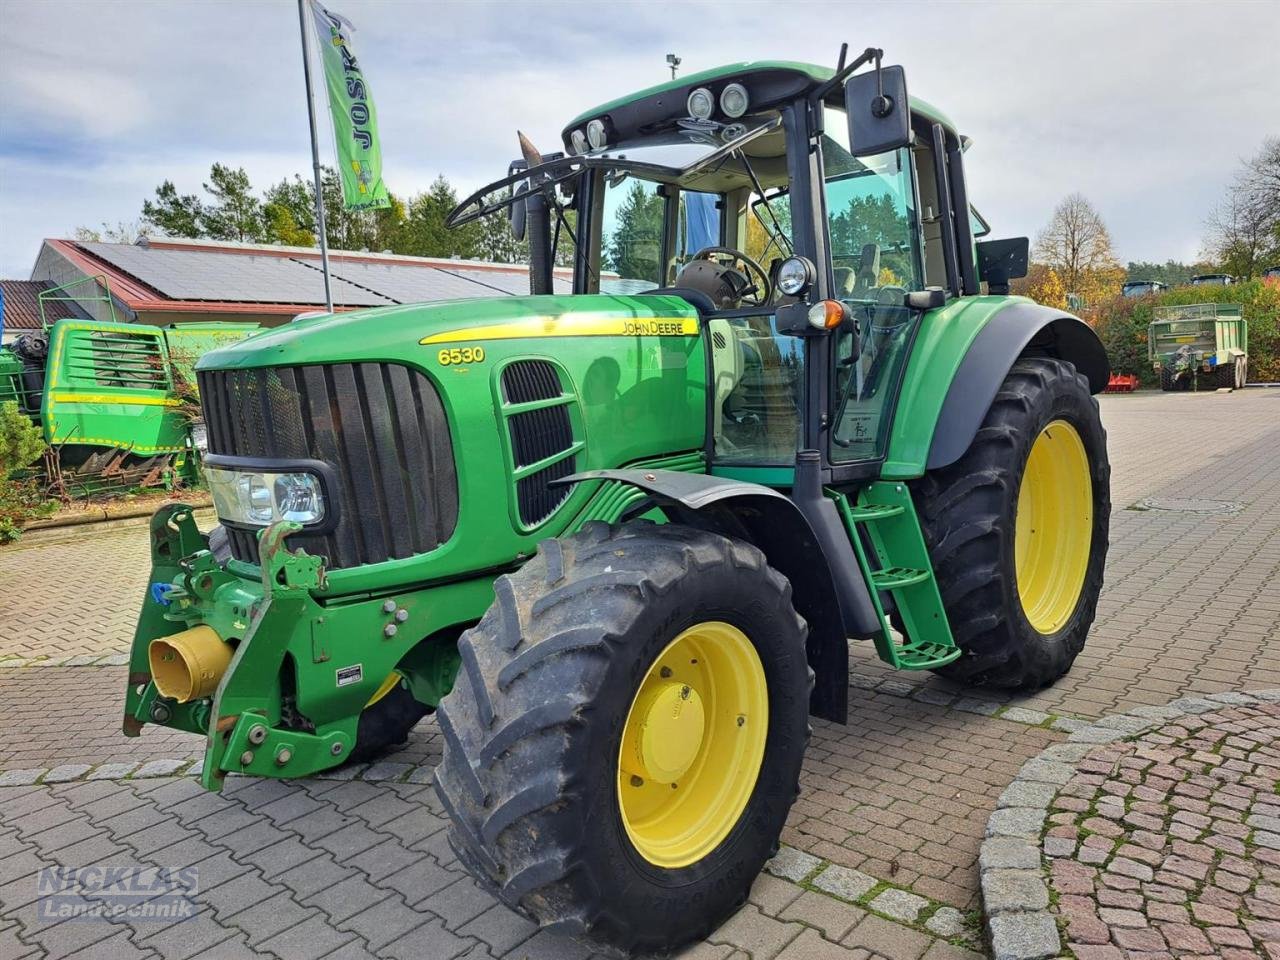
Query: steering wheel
[[763, 292]]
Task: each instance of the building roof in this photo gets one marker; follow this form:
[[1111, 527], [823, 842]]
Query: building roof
[[22, 304], [201, 276]]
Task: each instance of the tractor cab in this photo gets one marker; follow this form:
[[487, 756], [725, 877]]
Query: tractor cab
[[810, 216]]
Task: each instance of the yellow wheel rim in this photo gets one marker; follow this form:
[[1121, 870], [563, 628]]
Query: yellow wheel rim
[[692, 744], [1053, 530], [389, 684]]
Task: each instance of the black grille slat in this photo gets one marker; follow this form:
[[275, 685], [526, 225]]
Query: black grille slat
[[528, 380], [538, 435], [535, 498], [380, 426]]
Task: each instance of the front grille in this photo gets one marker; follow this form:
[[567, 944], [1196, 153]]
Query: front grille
[[381, 427], [538, 435]]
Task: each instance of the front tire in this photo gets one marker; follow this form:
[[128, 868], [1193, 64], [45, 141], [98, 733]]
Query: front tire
[[1017, 529], [641, 836]]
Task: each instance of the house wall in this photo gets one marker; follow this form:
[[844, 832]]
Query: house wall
[[57, 269]]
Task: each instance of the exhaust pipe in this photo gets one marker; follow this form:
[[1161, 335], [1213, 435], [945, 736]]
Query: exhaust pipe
[[188, 665]]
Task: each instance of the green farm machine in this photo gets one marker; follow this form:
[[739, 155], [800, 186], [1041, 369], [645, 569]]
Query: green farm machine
[[618, 541], [115, 400], [1199, 346]]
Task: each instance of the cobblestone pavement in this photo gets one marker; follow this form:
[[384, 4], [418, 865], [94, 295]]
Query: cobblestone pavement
[[1159, 836], [882, 844]]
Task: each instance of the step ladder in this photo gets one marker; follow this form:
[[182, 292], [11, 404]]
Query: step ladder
[[900, 567]]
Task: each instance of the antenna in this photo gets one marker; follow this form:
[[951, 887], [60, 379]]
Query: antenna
[[673, 61]]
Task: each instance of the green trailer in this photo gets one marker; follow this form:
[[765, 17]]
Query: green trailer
[[618, 541], [1199, 346]]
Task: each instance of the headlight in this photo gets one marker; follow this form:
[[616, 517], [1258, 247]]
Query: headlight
[[200, 436], [700, 104], [734, 100], [596, 134], [579, 140], [795, 275], [260, 498]]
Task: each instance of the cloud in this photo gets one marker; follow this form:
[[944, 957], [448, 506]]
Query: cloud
[[1145, 109]]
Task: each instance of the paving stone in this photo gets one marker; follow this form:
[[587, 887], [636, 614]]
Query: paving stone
[[1009, 853], [18, 778], [947, 922], [111, 771], [833, 917], [899, 904], [844, 882], [762, 937], [888, 939], [792, 864], [1012, 891], [159, 768], [1024, 936]]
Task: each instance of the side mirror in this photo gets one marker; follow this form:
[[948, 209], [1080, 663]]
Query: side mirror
[[1000, 261], [516, 212], [878, 110]]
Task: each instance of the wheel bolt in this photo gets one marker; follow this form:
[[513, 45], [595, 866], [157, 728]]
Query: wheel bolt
[[664, 672], [684, 693], [637, 781], [741, 720]]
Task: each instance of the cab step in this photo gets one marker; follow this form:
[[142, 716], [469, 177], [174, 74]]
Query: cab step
[[899, 565]]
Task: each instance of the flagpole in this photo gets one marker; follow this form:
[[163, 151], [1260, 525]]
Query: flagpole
[[315, 157]]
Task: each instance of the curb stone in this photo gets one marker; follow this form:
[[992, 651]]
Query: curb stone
[[1015, 891]]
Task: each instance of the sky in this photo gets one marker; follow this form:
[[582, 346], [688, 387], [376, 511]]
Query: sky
[[1145, 108]]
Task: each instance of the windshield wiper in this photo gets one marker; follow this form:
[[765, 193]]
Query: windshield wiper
[[755, 183]]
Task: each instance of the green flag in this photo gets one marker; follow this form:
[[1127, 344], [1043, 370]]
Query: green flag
[[355, 121]]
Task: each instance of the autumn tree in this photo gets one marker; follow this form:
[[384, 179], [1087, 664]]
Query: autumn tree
[[1043, 285], [1244, 230], [1077, 245]]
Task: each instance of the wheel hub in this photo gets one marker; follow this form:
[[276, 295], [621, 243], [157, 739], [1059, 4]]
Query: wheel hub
[[665, 734]]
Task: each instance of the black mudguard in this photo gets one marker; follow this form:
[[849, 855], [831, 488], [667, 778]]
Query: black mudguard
[[1020, 329], [773, 523]]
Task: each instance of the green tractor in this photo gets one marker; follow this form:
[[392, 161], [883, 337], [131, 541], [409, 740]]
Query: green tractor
[[619, 541]]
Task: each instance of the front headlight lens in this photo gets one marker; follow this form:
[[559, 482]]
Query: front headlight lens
[[579, 140], [795, 275], [200, 436], [261, 498]]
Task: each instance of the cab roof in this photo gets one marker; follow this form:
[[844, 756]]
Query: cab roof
[[778, 80]]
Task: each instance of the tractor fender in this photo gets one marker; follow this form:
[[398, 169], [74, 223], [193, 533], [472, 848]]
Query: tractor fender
[[773, 523], [1019, 329]]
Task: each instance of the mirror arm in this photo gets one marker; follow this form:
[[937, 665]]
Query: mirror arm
[[842, 72]]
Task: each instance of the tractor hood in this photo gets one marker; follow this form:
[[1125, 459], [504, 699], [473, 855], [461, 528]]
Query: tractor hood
[[414, 332]]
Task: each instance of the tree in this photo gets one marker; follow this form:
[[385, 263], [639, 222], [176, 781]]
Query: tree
[[1171, 272], [424, 233], [632, 250], [1244, 230], [1076, 243], [289, 213], [122, 232], [174, 214], [236, 213], [1043, 285]]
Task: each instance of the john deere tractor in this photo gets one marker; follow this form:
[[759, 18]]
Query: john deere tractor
[[618, 536]]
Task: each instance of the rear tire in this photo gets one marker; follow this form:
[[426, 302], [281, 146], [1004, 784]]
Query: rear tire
[[533, 774], [968, 512]]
